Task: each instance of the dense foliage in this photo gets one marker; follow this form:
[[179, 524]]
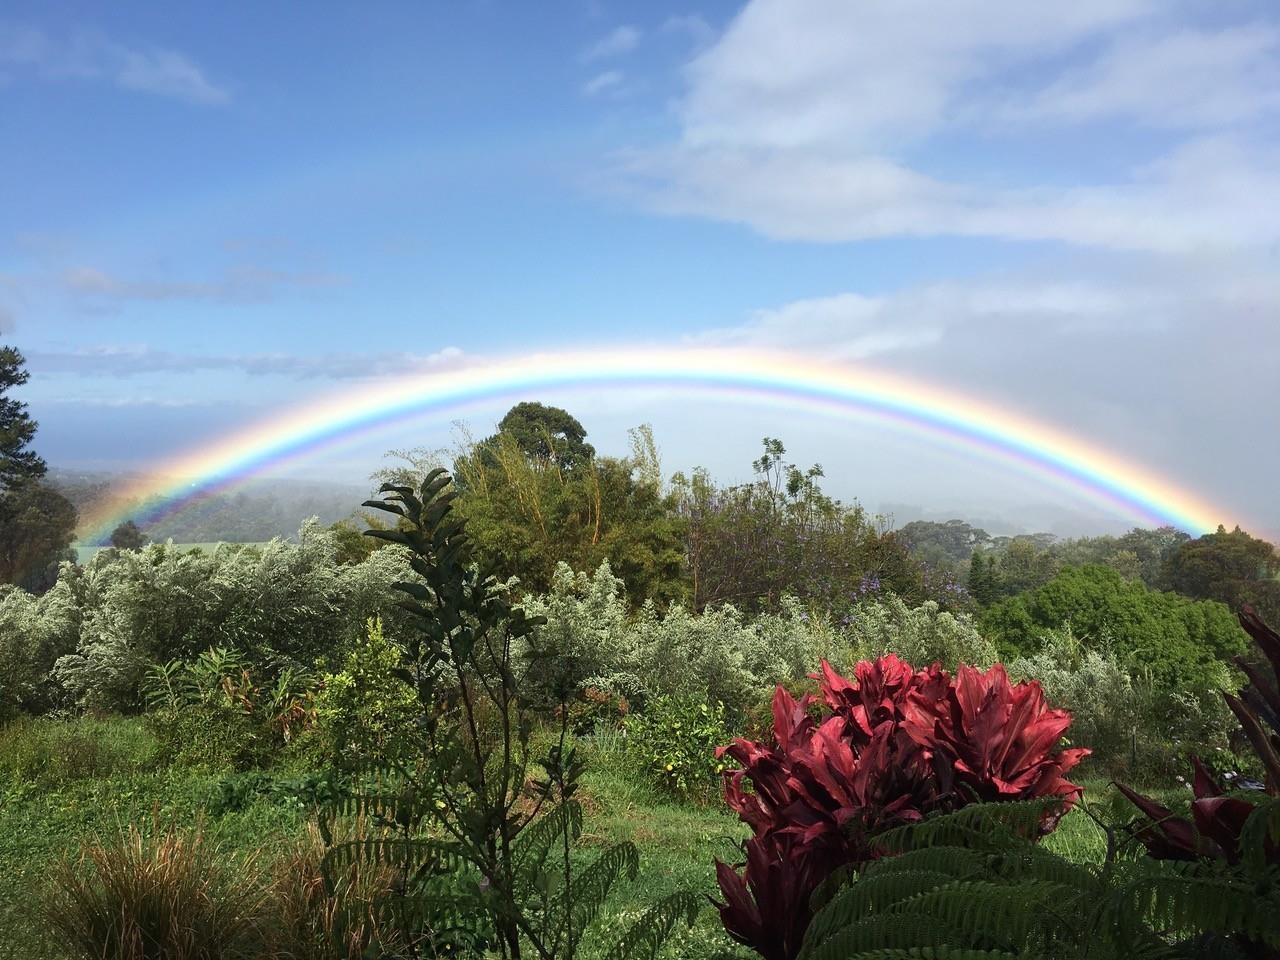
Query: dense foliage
[[1182, 643]]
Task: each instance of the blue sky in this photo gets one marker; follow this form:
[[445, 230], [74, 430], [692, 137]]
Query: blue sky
[[215, 211]]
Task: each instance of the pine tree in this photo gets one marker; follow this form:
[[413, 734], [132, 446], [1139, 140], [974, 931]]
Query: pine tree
[[18, 464], [37, 524]]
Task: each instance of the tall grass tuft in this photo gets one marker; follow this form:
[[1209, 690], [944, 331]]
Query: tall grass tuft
[[168, 896], [312, 922]]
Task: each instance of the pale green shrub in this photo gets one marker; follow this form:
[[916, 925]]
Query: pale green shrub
[[919, 635]]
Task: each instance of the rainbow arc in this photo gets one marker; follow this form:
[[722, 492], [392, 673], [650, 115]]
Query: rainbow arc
[[1122, 486]]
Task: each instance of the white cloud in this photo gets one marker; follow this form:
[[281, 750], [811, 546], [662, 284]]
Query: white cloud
[[819, 120], [1186, 78], [93, 56], [621, 40], [860, 76], [602, 83]]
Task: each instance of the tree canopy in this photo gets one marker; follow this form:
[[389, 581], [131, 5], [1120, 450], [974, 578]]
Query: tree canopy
[[37, 524]]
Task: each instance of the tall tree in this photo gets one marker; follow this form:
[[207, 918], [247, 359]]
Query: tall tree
[[750, 544], [535, 494], [18, 464], [1232, 567], [37, 524], [547, 435]]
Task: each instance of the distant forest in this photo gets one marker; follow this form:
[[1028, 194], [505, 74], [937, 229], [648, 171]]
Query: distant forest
[[259, 511]]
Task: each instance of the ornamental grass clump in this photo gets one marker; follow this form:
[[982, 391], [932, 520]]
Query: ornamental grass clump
[[883, 749], [169, 896]]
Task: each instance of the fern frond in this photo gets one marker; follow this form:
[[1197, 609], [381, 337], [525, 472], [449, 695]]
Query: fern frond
[[591, 886], [645, 937], [1033, 914], [882, 931], [1262, 827], [955, 862], [871, 894], [536, 841], [1186, 899], [982, 825]]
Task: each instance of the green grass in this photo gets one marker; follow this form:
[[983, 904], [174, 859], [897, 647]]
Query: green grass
[[66, 783]]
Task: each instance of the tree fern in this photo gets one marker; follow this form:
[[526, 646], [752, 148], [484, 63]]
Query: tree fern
[[998, 894]]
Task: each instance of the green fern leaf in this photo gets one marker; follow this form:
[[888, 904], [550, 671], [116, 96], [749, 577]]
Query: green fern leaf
[[645, 937]]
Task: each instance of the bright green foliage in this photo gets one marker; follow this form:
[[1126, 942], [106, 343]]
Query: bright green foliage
[[969, 885], [480, 828], [1178, 643], [364, 709], [920, 635], [674, 742]]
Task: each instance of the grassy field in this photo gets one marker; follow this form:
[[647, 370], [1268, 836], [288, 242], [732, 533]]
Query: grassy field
[[65, 783]]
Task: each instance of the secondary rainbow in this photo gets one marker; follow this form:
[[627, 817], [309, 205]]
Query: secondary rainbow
[[1125, 487]]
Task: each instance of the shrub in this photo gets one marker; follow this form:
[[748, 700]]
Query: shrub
[[211, 711], [138, 897], [1135, 728], [282, 605], [923, 634], [895, 745], [591, 639], [674, 742], [364, 710]]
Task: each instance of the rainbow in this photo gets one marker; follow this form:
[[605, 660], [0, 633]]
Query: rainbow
[[1122, 486]]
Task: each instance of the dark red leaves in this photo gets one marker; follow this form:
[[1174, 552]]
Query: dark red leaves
[[897, 744]]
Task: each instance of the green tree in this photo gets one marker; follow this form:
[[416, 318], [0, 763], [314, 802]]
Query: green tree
[[1234, 568], [549, 435], [750, 545], [37, 524], [528, 511], [1180, 643], [127, 536]]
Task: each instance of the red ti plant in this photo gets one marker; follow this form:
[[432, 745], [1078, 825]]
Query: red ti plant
[[893, 745], [1217, 820]]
